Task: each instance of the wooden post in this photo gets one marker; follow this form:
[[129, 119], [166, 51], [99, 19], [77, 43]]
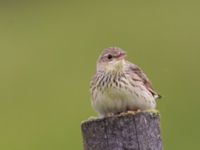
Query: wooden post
[[140, 131]]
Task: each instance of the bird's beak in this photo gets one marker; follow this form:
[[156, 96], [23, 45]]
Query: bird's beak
[[121, 55]]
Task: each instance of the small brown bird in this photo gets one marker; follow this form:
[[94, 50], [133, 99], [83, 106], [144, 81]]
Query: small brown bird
[[119, 86]]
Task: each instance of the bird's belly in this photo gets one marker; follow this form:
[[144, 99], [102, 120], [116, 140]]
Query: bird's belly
[[115, 100]]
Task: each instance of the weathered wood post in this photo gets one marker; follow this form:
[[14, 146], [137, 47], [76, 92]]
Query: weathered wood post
[[140, 131]]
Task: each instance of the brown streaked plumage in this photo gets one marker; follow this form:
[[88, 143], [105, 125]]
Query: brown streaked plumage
[[135, 69], [119, 85]]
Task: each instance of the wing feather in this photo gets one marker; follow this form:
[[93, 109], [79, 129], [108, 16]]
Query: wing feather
[[143, 78]]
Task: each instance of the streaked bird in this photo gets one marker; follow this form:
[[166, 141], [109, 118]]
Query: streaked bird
[[119, 86]]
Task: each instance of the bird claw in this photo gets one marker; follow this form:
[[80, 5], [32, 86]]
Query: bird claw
[[132, 112]]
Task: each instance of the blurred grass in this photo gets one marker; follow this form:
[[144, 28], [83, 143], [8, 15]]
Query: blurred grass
[[48, 52]]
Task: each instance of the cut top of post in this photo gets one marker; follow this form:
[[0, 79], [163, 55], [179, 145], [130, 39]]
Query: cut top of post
[[140, 131]]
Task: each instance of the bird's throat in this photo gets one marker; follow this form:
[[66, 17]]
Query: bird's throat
[[116, 67]]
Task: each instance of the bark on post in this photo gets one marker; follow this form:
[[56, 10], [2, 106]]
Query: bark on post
[[140, 131]]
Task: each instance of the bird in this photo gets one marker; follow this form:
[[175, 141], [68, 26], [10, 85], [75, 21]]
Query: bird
[[119, 86]]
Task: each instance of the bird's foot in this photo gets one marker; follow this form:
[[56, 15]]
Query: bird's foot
[[122, 114], [132, 112]]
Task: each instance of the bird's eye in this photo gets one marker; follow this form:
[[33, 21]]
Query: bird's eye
[[110, 56]]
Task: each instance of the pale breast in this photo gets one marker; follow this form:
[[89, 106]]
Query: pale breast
[[113, 94]]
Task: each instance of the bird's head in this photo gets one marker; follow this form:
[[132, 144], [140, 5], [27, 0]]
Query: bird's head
[[111, 59]]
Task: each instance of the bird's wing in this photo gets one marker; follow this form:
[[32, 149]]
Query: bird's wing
[[140, 75]]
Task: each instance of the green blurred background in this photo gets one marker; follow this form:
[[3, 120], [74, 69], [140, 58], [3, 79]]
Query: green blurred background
[[48, 52]]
